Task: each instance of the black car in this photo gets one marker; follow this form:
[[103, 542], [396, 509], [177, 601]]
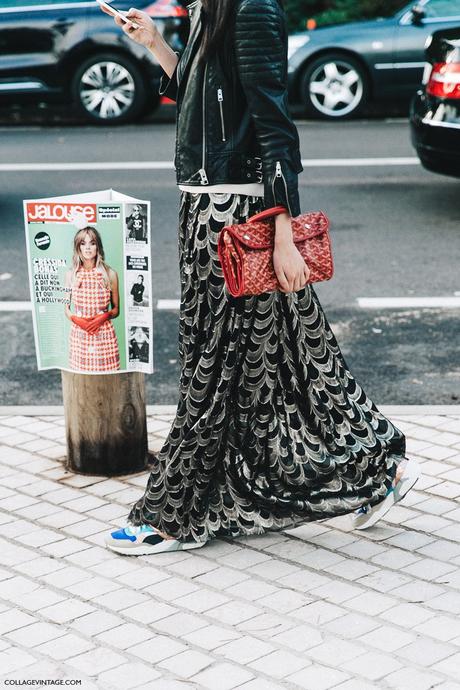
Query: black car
[[71, 51], [435, 109], [334, 71]]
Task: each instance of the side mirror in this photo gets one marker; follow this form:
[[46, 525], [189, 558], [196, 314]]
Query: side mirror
[[418, 14]]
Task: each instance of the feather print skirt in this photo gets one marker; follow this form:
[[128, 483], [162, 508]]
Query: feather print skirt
[[271, 428]]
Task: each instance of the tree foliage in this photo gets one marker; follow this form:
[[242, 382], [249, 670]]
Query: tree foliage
[[336, 11]]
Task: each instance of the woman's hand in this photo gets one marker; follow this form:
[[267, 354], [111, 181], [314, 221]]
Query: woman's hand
[[81, 321], [97, 321], [290, 268], [147, 32]]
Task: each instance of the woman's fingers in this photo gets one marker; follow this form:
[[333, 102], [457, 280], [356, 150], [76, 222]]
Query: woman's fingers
[[282, 280], [132, 12]]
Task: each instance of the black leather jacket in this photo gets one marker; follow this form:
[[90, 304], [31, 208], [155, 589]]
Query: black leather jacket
[[232, 118]]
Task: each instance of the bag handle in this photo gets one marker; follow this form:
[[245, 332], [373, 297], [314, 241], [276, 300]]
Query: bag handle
[[267, 213]]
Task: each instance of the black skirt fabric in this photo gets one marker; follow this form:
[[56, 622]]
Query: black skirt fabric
[[271, 428]]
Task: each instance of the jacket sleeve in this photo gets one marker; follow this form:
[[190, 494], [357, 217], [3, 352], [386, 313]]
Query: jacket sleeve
[[168, 85], [261, 60]]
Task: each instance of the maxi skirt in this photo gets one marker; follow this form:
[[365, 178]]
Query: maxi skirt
[[271, 428]]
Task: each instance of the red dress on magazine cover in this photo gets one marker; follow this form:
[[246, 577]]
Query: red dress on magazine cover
[[99, 351]]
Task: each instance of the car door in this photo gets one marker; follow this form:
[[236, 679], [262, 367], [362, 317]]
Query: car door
[[409, 57], [33, 36]]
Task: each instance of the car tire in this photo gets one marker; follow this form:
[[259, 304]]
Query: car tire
[[334, 86], [109, 89]]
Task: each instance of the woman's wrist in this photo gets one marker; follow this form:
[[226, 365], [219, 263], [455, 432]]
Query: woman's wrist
[[283, 229], [154, 42]]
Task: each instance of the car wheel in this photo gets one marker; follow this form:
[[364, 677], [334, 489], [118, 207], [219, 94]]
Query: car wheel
[[334, 86], [108, 89]]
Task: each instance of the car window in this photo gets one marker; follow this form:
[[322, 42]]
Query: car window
[[442, 8]]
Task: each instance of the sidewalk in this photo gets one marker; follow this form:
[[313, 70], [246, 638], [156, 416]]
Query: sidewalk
[[315, 607]]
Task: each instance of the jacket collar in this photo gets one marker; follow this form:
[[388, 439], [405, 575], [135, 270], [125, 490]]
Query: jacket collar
[[194, 10]]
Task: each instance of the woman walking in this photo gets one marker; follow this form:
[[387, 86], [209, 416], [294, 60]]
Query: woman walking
[[271, 428]]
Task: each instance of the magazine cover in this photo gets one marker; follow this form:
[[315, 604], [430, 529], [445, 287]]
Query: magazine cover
[[89, 259]]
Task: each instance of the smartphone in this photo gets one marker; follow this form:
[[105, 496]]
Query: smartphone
[[116, 13]]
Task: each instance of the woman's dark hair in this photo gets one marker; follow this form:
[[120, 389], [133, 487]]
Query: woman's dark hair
[[217, 17]]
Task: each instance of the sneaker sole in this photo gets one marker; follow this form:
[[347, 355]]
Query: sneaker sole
[[156, 548], [379, 511]]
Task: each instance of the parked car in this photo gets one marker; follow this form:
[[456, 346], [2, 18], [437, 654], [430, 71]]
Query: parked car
[[334, 71], [71, 51], [435, 109]]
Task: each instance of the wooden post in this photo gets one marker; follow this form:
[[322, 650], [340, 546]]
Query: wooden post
[[106, 423]]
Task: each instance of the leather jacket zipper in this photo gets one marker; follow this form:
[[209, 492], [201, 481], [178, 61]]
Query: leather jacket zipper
[[202, 171], [220, 98], [279, 173]]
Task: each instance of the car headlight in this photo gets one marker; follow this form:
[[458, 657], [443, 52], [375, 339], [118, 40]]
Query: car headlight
[[295, 42]]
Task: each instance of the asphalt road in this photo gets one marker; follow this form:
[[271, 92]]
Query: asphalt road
[[395, 232]]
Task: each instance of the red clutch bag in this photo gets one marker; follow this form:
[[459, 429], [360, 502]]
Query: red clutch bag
[[246, 250]]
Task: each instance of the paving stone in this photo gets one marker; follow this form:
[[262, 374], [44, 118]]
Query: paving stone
[[96, 661], [333, 648], [124, 636], [13, 620], [352, 625], [40, 598], [245, 649], [65, 647], [187, 664], [299, 638], [266, 625], [127, 676], [418, 591], [96, 622], [156, 649], [318, 677], [222, 676], [387, 638], [66, 611], [318, 612], [449, 666], [371, 603], [372, 665], [407, 615], [221, 577], [337, 592], [201, 601], [13, 659], [121, 598], [279, 664], [35, 634], [410, 678], [262, 684]]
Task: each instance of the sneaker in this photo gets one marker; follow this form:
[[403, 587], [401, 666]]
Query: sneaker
[[409, 477], [140, 540], [366, 516]]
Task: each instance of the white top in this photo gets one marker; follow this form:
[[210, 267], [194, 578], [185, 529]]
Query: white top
[[252, 189]]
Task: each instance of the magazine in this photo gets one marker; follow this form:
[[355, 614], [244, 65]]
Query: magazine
[[89, 260]]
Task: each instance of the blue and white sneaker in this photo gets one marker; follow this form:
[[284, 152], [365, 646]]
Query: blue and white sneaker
[[140, 540], [366, 516]]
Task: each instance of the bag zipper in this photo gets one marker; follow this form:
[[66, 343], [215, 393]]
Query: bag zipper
[[202, 171], [220, 98], [279, 173]]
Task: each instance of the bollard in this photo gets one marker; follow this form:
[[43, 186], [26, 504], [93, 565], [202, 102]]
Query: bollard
[[106, 425]]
